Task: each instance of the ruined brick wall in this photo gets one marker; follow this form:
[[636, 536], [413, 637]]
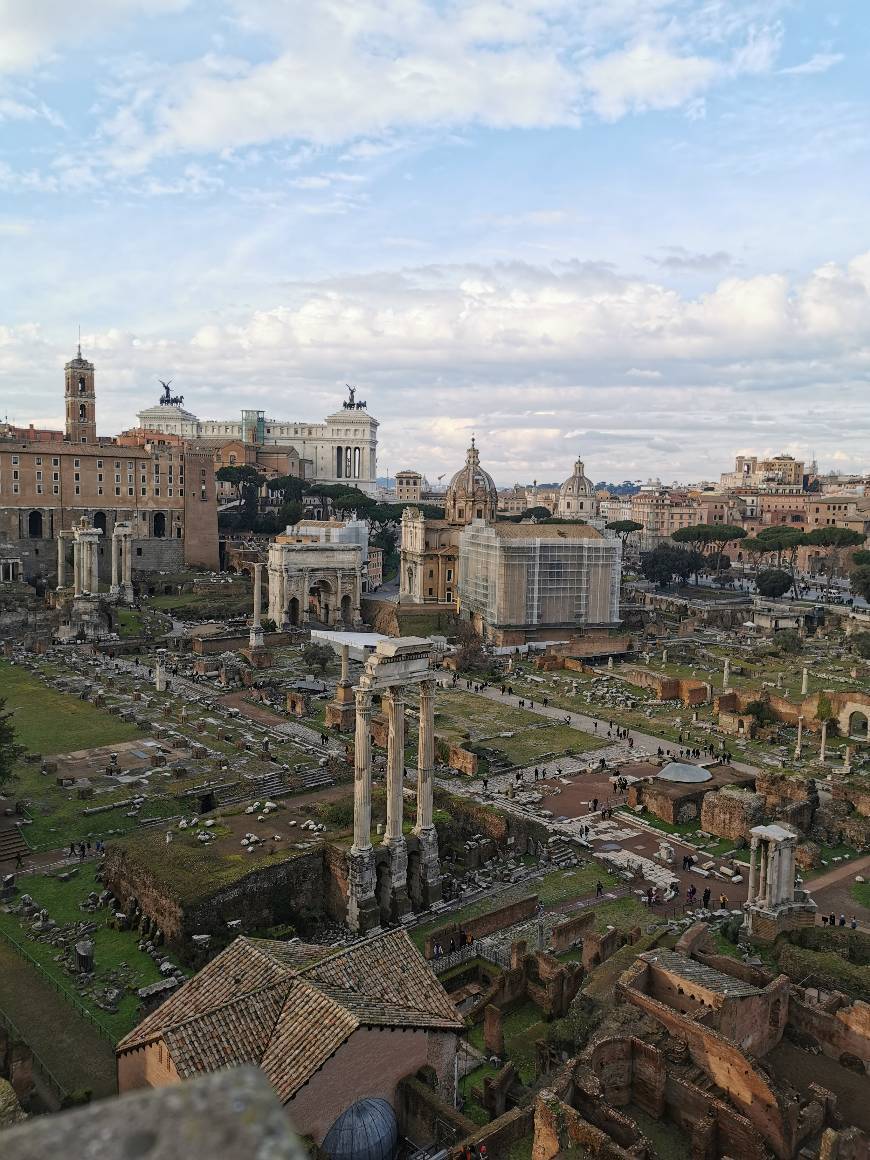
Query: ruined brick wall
[[845, 1031], [484, 924], [731, 813], [727, 1066], [688, 1106], [295, 891], [424, 1116], [565, 934], [860, 799], [500, 1134], [559, 1129]]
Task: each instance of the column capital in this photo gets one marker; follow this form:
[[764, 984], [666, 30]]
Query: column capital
[[363, 699]]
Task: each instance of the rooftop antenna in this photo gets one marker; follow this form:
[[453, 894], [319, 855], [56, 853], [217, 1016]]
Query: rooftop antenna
[[80, 341]]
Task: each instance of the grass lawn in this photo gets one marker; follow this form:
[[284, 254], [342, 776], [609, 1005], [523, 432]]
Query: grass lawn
[[522, 1027], [72, 1049], [530, 745], [861, 893], [111, 947], [128, 622], [189, 870], [470, 1107], [47, 721], [568, 885]]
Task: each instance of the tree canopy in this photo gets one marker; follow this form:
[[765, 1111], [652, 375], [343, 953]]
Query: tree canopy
[[665, 562], [859, 581], [10, 750], [773, 582]]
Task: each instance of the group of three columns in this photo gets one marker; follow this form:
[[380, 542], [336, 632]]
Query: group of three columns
[[367, 901]]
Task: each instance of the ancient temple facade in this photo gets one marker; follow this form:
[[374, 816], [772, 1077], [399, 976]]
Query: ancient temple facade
[[773, 904], [384, 883]]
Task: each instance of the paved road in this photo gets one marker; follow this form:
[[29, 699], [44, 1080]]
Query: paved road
[[583, 721]]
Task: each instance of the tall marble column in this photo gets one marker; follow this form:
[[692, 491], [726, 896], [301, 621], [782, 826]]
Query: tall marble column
[[393, 838], [116, 563], [762, 874], [430, 865], [823, 751], [726, 674], [95, 566], [362, 785], [362, 908], [77, 567], [256, 634], [395, 764], [753, 869], [61, 561], [800, 736], [773, 885]]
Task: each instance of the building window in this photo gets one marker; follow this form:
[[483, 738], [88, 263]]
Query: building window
[[56, 476], [39, 461], [117, 491], [77, 478], [15, 464], [56, 489], [449, 574], [55, 463], [76, 463], [99, 491], [78, 490]]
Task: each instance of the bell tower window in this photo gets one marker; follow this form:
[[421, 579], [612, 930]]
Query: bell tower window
[[82, 384]]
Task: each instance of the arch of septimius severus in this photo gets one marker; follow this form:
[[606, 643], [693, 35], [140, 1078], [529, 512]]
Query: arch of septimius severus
[[380, 881]]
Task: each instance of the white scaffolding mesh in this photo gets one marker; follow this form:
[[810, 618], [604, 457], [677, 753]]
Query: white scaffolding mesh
[[551, 577]]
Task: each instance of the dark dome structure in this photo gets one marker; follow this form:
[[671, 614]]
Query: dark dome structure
[[684, 773], [366, 1131]]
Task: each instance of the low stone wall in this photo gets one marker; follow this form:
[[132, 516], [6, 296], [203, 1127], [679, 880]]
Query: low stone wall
[[689, 691], [485, 924], [845, 1030], [561, 1129], [423, 1116], [209, 645], [499, 1135], [565, 934]]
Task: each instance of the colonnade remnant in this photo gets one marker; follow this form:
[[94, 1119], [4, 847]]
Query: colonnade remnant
[[122, 563], [86, 558], [773, 903], [394, 666]]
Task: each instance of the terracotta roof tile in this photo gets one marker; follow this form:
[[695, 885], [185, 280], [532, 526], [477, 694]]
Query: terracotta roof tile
[[290, 1006]]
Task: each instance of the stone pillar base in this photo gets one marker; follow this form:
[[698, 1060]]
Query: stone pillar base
[[258, 658], [255, 638], [340, 716], [430, 866], [400, 903], [126, 593], [363, 913]]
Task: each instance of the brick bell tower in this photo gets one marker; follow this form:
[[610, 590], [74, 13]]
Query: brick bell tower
[[80, 400]]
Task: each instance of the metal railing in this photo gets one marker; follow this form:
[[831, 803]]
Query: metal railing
[[68, 996], [39, 1065]]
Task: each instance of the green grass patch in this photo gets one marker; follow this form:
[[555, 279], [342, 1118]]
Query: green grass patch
[[861, 893], [567, 885], [111, 947], [470, 1107], [47, 721]]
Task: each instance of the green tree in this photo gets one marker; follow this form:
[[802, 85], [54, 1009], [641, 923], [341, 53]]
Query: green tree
[[316, 657], [470, 654], [624, 529], [773, 582], [787, 640], [833, 541], [537, 514], [861, 558], [665, 562], [860, 644], [10, 750], [709, 538], [859, 581], [287, 487]]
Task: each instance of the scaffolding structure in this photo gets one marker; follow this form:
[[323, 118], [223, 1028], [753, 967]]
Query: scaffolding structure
[[533, 576]]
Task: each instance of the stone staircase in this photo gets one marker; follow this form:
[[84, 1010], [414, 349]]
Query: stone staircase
[[12, 844], [562, 853], [315, 778]]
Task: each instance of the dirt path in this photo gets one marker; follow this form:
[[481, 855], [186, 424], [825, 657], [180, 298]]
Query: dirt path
[[68, 1045], [846, 870]]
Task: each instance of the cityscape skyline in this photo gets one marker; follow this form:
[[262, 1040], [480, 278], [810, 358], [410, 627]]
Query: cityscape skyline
[[636, 228]]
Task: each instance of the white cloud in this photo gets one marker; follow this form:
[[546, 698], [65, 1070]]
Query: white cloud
[[32, 30], [646, 77], [518, 353], [819, 62]]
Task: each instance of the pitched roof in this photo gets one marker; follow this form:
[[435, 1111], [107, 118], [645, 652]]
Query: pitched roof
[[289, 1006]]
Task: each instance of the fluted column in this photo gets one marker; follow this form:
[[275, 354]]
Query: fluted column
[[95, 566], [823, 751], [773, 889], [395, 764], [425, 756], [116, 562], [753, 868], [77, 567], [61, 561], [362, 783], [761, 896], [128, 560], [256, 633]]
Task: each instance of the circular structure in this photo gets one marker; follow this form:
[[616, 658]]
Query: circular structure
[[684, 773], [577, 496], [471, 494], [366, 1131]]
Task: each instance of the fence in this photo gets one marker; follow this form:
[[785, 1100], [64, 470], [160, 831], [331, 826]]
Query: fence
[[39, 1065], [68, 996]]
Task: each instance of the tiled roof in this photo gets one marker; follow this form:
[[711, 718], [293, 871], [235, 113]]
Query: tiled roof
[[289, 1006]]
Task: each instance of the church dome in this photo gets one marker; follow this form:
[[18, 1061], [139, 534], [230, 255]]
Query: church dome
[[577, 495], [472, 493], [367, 1130]]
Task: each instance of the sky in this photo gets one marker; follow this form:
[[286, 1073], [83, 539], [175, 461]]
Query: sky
[[634, 230]]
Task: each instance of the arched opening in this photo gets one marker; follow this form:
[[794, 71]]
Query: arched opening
[[34, 525], [83, 411], [858, 725], [159, 525], [82, 384], [346, 610], [100, 521], [320, 601], [293, 611]]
